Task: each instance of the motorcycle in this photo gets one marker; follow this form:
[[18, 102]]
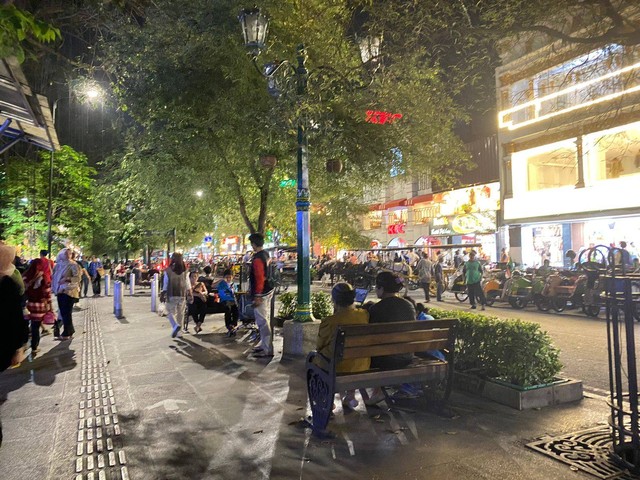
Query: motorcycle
[[497, 286], [525, 289]]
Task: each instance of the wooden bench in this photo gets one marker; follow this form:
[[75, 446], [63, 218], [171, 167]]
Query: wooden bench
[[375, 340]]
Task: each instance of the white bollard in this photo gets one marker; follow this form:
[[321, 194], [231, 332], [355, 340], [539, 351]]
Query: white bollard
[[107, 285], [117, 299], [154, 293], [132, 284]]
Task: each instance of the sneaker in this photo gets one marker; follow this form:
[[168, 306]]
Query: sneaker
[[175, 331], [473, 307], [263, 354], [197, 328], [482, 308], [349, 403], [35, 350], [257, 350], [45, 332]]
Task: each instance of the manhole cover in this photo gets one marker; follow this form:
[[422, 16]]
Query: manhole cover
[[586, 450]]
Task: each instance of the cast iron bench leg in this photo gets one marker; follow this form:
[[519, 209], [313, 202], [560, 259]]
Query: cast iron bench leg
[[320, 393]]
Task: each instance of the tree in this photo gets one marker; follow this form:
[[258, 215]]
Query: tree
[[19, 26], [26, 185], [204, 113]]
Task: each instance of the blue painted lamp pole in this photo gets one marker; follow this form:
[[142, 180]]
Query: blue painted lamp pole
[[255, 26]]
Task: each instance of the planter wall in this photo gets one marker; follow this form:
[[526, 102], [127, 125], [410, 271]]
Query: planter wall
[[564, 391]]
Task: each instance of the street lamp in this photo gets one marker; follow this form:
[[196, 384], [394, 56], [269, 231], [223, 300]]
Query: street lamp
[[255, 26], [92, 93]]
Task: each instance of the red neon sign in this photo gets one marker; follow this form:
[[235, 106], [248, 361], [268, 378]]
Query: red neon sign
[[396, 228], [381, 118]]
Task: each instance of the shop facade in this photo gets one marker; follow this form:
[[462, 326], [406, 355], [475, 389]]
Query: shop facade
[[569, 133], [460, 216]]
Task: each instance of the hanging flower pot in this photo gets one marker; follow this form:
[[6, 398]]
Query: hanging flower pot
[[268, 161], [334, 165]]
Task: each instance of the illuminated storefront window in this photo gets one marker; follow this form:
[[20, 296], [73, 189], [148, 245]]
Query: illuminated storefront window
[[614, 153], [598, 76], [373, 220], [553, 169]]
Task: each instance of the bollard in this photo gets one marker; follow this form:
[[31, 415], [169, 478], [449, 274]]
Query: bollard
[[107, 285], [154, 293], [132, 284], [117, 299]]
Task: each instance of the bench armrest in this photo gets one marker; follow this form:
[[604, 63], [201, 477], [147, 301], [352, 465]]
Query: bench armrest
[[325, 361]]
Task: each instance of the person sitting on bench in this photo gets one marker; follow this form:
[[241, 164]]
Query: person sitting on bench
[[344, 313]]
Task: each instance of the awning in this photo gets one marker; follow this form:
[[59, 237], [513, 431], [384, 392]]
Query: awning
[[376, 206], [24, 116], [396, 203], [428, 197]]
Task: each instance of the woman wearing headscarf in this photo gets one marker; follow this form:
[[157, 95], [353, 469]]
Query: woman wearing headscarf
[[176, 287], [15, 332], [37, 281], [66, 286]]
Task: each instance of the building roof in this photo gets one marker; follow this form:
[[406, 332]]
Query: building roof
[[24, 115]]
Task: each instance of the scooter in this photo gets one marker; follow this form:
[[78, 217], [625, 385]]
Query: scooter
[[525, 289]]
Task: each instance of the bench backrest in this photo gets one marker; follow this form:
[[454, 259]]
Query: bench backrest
[[380, 339]]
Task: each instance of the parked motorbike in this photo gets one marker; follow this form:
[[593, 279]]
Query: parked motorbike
[[497, 286], [525, 289]]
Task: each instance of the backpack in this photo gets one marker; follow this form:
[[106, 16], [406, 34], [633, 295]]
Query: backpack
[[273, 275]]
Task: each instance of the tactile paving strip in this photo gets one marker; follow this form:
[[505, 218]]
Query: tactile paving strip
[[99, 452]]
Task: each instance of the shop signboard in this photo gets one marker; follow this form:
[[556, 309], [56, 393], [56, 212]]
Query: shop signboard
[[441, 227], [480, 198], [479, 222]]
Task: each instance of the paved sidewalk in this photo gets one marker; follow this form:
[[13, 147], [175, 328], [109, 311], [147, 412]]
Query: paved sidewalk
[[124, 400]]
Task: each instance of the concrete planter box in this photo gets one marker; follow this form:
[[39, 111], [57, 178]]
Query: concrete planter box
[[561, 391]]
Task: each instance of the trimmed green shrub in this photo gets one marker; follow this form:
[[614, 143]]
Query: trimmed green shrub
[[513, 351], [321, 305]]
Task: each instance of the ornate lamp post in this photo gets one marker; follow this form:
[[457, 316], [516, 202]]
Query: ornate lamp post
[[255, 26]]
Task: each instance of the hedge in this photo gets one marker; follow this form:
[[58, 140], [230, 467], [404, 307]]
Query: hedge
[[513, 351]]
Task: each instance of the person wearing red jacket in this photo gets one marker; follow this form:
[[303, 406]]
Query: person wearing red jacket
[[261, 292]]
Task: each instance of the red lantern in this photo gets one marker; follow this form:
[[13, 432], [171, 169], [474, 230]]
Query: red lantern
[[334, 165], [268, 161]]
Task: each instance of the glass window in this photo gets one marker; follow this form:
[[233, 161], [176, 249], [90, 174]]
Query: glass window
[[616, 154], [552, 169]]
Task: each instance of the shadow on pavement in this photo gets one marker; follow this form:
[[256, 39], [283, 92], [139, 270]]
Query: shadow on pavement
[[42, 370]]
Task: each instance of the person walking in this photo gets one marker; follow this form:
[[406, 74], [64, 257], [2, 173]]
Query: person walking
[[261, 292], [37, 281], [96, 270], [66, 286], [423, 271], [438, 274], [15, 332], [86, 278], [176, 287], [473, 277]]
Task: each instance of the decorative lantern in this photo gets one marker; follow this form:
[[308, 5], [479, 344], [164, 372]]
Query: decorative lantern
[[268, 161], [334, 165], [369, 48], [254, 28]]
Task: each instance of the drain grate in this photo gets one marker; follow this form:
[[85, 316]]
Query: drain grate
[[586, 450]]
